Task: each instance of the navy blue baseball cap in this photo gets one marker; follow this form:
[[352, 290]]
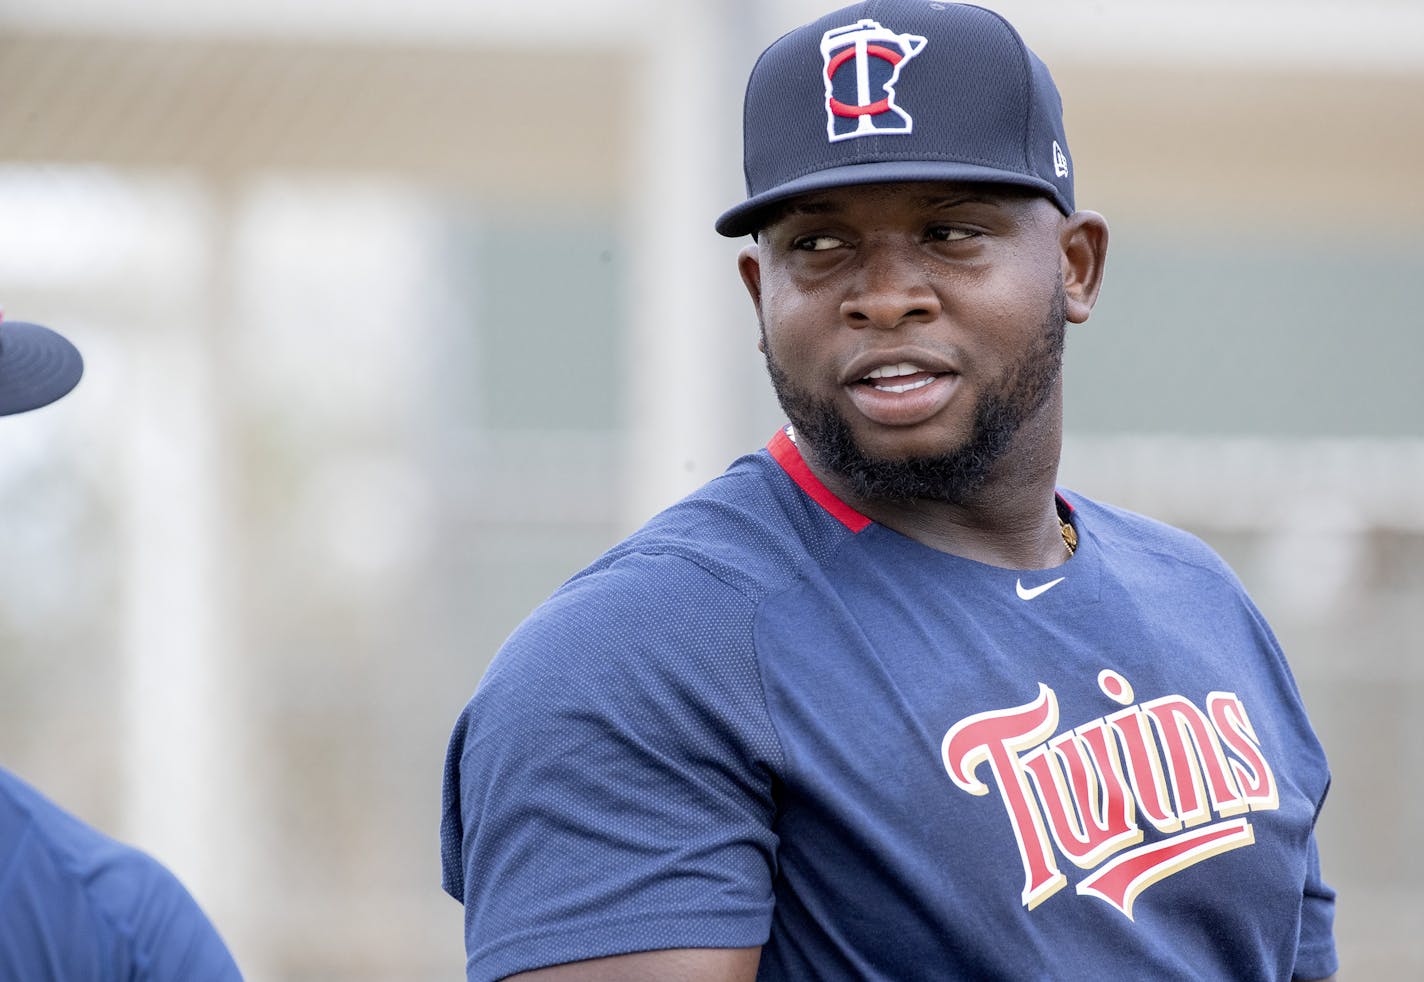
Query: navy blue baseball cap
[[899, 90], [37, 366]]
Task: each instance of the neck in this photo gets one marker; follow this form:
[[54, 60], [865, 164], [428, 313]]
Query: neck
[[1023, 533]]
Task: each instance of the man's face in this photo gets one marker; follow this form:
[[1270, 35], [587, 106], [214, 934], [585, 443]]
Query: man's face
[[912, 331]]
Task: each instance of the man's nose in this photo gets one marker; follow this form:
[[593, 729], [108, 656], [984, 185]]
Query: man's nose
[[889, 289]]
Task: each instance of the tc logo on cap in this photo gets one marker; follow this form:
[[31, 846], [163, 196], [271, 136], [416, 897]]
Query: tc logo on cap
[[862, 64]]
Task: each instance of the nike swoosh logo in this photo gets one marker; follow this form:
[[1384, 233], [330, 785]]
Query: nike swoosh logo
[[1037, 591]]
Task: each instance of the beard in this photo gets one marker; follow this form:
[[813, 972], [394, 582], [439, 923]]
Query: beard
[[955, 474]]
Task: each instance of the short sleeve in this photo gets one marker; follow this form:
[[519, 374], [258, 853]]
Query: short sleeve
[[1315, 954], [609, 788]]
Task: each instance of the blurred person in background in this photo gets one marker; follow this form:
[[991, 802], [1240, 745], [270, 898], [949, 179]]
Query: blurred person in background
[[75, 905], [881, 701]]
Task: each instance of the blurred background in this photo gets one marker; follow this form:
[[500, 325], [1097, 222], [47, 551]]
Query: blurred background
[[397, 313]]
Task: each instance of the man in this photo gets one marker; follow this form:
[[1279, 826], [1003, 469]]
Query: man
[[76, 906], [879, 702]]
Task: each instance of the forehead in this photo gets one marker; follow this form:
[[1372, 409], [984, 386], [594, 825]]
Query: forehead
[[918, 196]]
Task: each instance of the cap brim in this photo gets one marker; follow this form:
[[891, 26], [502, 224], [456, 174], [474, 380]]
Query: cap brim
[[747, 217], [37, 366]]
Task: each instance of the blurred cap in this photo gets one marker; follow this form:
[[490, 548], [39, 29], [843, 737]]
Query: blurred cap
[[899, 90], [37, 366]]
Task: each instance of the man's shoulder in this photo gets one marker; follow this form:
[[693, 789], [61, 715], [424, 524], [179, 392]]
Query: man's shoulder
[[686, 586], [1123, 531], [34, 827], [80, 892], [750, 528]]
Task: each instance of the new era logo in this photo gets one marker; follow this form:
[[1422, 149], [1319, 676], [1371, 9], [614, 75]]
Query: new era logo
[[1060, 160], [862, 63]]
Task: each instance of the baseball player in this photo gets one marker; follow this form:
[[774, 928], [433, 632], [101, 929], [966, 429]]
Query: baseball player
[[882, 702], [75, 905]]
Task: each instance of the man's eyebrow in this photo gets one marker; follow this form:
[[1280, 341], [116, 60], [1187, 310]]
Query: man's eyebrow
[[816, 206], [826, 206], [967, 198]]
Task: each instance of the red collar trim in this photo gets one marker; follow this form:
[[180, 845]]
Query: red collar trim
[[784, 450], [786, 453]]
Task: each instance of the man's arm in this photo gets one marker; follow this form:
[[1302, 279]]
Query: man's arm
[[610, 788], [676, 965]]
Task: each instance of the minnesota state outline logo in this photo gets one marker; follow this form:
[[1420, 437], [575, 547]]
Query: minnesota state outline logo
[[862, 63]]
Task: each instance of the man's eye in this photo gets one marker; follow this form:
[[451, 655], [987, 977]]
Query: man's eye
[[817, 243], [950, 233]]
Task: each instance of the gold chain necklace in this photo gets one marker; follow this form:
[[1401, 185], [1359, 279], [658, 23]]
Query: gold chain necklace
[[1070, 536]]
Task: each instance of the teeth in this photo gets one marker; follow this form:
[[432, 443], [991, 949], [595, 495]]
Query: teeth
[[891, 371], [905, 388], [898, 371]]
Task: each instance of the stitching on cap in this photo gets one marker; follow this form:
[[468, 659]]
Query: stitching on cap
[[1027, 83]]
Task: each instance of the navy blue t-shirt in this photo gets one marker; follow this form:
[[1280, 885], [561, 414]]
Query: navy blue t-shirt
[[77, 906], [765, 720]]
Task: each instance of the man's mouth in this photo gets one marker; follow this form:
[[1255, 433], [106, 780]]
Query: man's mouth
[[902, 377], [890, 389]]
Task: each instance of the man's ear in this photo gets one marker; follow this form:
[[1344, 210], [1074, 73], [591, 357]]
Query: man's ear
[[749, 265], [1084, 243]]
